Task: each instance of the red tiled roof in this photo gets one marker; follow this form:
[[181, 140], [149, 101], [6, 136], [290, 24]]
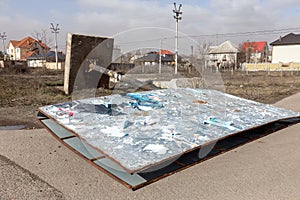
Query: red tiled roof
[[27, 54], [43, 45], [27, 43], [14, 42], [166, 52], [257, 46]]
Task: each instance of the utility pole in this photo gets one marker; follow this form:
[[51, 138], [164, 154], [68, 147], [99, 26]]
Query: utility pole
[[177, 17], [3, 37], [160, 49], [55, 30]]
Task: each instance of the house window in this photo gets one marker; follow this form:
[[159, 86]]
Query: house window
[[17, 50], [12, 51], [224, 58]]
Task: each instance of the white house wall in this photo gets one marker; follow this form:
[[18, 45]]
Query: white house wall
[[230, 58], [18, 53], [35, 63], [288, 53], [11, 52]]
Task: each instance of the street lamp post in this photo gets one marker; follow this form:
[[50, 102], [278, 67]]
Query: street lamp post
[[159, 65], [177, 17], [55, 30], [3, 37]]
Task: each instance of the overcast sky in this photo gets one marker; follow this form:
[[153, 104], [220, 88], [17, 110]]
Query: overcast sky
[[202, 21]]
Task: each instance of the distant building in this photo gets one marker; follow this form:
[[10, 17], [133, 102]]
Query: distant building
[[39, 60], [286, 49], [152, 58], [224, 55], [256, 51], [22, 49], [116, 56]]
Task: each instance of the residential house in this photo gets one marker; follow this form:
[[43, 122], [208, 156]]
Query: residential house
[[47, 60], [256, 51], [286, 49], [224, 55], [116, 55], [22, 49], [152, 58]]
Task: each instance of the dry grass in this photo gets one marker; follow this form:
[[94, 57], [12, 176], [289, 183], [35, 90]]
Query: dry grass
[[22, 93], [33, 88], [258, 86]]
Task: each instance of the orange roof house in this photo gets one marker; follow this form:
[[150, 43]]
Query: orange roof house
[[165, 52], [256, 51], [256, 46], [21, 49]]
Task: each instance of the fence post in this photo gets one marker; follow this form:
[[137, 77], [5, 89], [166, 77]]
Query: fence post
[[268, 68], [280, 68]]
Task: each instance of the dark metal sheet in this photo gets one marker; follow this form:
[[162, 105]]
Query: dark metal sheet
[[132, 179], [83, 148], [58, 130]]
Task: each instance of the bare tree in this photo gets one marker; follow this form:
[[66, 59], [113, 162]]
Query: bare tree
[[247, 48], [203, 49], [1, 56], [44, 41], [126, 57], [43, 37]]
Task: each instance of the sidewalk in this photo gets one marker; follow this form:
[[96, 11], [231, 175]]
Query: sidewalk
[[267, 168]]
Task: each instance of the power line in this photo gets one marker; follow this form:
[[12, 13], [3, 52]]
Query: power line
[[143, 41], [229, 34], [264, 32]]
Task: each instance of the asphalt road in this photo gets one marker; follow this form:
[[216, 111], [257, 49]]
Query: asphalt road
[[19, 183], [33, 165]]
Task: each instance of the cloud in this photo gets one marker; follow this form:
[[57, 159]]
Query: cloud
[[17, 26], [114, 16], [118, 5], [107, 18], [212, 17], [278, 4]]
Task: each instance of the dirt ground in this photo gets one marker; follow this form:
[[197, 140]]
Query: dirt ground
[[23, 91]]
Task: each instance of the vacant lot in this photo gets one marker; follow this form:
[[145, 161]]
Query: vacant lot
[[22, 92], [261, 87]]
